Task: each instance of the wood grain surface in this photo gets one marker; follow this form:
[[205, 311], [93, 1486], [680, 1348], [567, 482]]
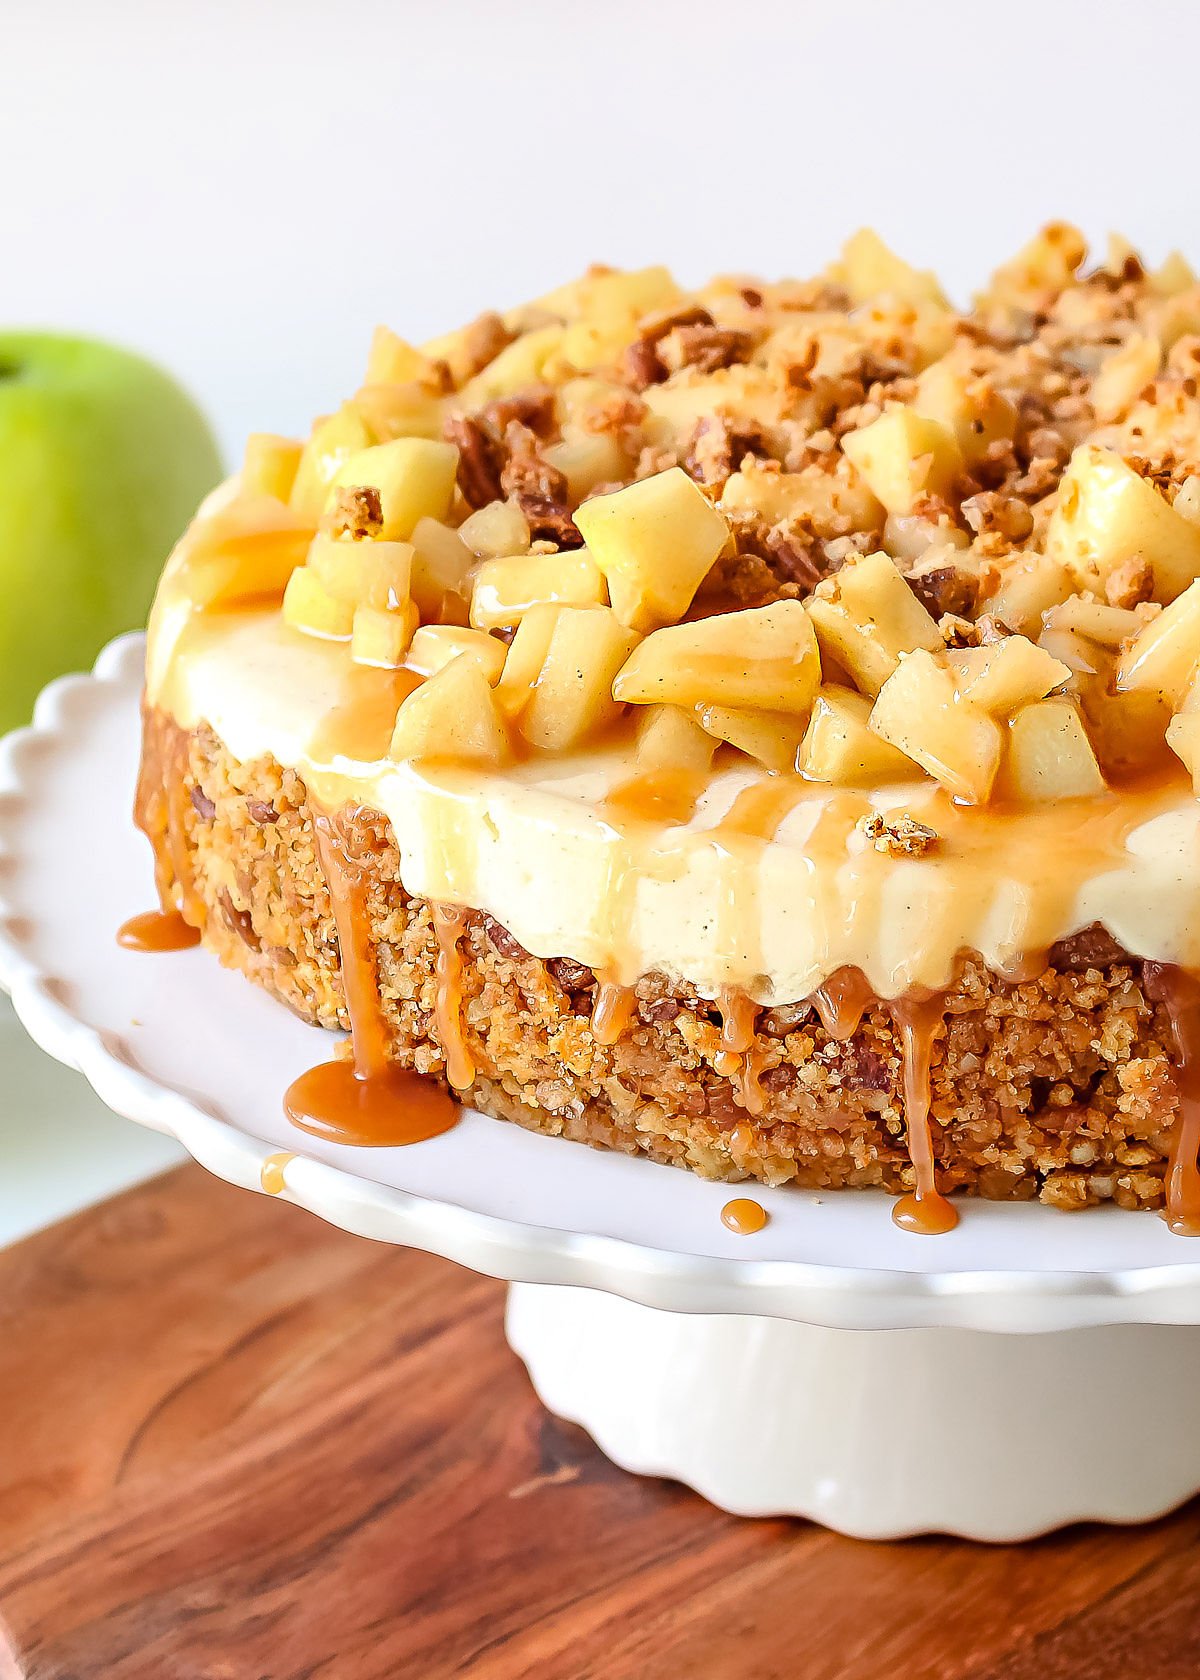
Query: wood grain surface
[[236, 1444]]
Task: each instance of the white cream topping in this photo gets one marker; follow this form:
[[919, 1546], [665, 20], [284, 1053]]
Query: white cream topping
[[535, 846]]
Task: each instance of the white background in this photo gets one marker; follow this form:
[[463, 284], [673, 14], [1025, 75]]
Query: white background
[[242, 190]]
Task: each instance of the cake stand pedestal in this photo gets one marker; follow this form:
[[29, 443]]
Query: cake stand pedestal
[[875, 1433], [1025, 1370]]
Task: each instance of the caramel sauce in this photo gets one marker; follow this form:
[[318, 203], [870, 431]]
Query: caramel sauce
[[359, 728], [612, 1010], [367, 1102], [448, 925], [759, 811], [1179, 993], [744, 1216], [924, 1209], [272, 1175], [158, 930], [661, 796], [842, 1002]]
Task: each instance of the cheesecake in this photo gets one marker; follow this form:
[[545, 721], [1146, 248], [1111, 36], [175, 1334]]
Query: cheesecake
[[754, 727]]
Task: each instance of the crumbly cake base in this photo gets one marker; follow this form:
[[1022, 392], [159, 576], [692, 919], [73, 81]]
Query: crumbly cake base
[[1057, 1088]]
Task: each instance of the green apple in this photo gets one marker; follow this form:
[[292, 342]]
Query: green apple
[[102, 462]]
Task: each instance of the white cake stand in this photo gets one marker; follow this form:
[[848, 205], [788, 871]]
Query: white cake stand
[[1024, 1371]]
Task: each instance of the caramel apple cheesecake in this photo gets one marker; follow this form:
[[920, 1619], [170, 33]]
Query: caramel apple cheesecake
[[752, 727]]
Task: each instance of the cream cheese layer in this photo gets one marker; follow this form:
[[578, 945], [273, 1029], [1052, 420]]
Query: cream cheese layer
[[747, 880]]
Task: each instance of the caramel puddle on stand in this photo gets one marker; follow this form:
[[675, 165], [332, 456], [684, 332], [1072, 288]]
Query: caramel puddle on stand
[[367, 1101], [744, 1216], [272, 1175], [157, 930]]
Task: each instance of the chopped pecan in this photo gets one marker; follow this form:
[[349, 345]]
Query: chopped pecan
[[503, 941], [261, 812], [539, 490], [707, 347], [1091, 947], [238, 921], [901, 836], [784, 1019], [533, 407], [202, 804], [992, 511], [571, 975], [479, 459], [717, 447], [640, 364], [357, 512], [484, 339], [944, 589]]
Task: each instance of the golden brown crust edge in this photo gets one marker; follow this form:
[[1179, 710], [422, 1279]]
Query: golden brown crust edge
[[1058, 1088]]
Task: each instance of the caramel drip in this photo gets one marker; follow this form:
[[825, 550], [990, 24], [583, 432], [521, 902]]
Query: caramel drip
[[272, 1175], [759, 811], [612, 1010], [661, 796], [924, 1210], [157, 930], [368, 1102], [842, 1002], [359, 728], [744, 1216], [1179, 993], [448, 925]]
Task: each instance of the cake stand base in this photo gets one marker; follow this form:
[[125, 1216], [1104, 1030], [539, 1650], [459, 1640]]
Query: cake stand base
[[880, 1433]]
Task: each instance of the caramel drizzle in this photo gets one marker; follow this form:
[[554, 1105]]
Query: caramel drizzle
[[347, 885], [448, 924], [1179, 993], [612, 1009], [924, 1209], [157, 931], [737, 1058], [842, 1001], [743, 1216]]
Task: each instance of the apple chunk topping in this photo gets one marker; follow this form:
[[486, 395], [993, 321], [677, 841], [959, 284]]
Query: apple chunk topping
[[921, 713], [453, 716], [765, 657], [655, 542], [866, 617]]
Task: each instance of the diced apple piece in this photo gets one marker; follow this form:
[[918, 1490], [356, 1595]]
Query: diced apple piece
[[1049, 754], [1029, 586], [669, 738], [333, 441], [1009, 673], [654, 541], [246, 552], [521, 363], [1123, 374], [773, 738], [903, 456], [571, 698], [920, 712], [870, 269], [1046, 264], [1183, 738], [435, 645], [764, 656], [499, 528], [866, 616], [526, 654], [269, 465], [1162, 658], [396, 411], [975, 414], [838, 746], [414, 476], [367, 573], [441, 568], [1127, 730], [585, 461], [393, 361], [308, 606], [1100, 623], [1107, 513], [381, 637], [453, 715], [505, 590]]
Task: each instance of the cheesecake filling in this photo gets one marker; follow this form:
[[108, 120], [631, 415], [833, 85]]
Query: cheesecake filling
[[731, 880]]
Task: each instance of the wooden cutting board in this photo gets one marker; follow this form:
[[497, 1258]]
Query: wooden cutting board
[[236, 1444]]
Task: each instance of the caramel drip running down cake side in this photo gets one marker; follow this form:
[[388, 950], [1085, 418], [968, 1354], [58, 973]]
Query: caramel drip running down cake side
[[756, 726]]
